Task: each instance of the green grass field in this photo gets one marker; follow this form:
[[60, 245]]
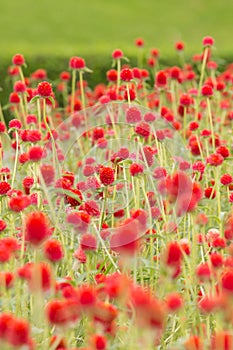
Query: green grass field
[[84, 27]]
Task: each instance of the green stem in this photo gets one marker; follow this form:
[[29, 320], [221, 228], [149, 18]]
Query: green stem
[[16, 158], [73, 90], [118, 74], [202, 71], [211, 123], [83, 96]]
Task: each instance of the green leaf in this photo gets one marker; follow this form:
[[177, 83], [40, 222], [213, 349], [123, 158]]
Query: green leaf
[[51, 99], [6, 106], [34, 99], [88, 70], [125, 59], [114, 62]]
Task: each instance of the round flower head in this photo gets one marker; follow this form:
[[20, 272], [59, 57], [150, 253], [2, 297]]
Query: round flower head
[[179, 46], [18, 60], [106, 175], [117, 54], [126, 74], [139, 42], [208, 41], [77, 63], [65, 76], [14, 98], [161, 79], [44, 89], [39, 74], [15, 124], [36, 228], [19, 87], [2, 127], [4, 187], [36, 153], [53, 250], [206, 90]]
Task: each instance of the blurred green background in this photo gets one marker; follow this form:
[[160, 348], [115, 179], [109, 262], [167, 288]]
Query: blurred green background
[[84, 27]]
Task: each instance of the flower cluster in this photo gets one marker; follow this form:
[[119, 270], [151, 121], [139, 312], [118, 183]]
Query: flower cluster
[[116, 224]]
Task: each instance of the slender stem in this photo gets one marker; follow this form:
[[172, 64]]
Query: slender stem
[[83, 96], [128, 94], [73, 90], [202, 71], [211, 122], [118, 74], [16, 158], [39, 113]]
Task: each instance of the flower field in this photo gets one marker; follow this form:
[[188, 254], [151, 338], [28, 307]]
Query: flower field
[[116, 224]]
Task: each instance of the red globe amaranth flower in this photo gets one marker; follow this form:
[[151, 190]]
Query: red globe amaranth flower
[[3, 225], [174, 302], [126, 74], [65, 76], [173, 254], [112, 75], [227, 281], [117, 54], [142, 129], [139, 42], [155, 52], [2, 127], [17, 332], [39, 74], [136, 169], [161, 79], [133, 115], [215, 159], [53, 250], [185, 100], [37, 228], [4, 188], [77, 63], [207, 90], [62, 312], [19, 203], [226, 179], [19, 86], [14, 98], [98, 341], [223, 151], [18, 60], [151, 61], [106, 175], [203, 271], [36, 153], [179, 46], [44, 89], [15, 124], [207, 41]]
